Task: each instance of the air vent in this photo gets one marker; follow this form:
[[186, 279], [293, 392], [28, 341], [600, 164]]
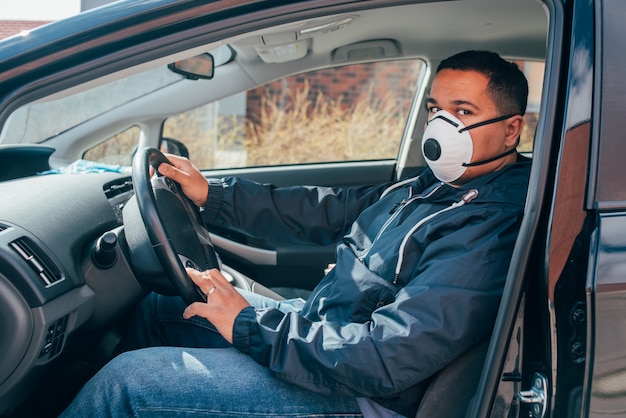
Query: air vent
[[45, 269], [3, 227], [119, 192], [116, 188]]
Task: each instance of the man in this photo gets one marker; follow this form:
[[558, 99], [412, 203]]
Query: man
[[420, 268]]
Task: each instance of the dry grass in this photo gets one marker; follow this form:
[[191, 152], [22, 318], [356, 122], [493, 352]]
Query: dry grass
[[324, 129]]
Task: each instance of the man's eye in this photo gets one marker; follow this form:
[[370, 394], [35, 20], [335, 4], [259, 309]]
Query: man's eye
[[433, 109], [464, 112]]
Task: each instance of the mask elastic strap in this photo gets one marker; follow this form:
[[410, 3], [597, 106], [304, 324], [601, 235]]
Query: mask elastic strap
[[497, 157], [487, 122]]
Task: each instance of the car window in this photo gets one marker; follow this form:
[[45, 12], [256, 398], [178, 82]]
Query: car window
[[117, 150], [350, 113], [534, 74]]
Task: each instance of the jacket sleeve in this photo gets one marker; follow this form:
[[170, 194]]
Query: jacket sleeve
[[299, 214], [448, 306]]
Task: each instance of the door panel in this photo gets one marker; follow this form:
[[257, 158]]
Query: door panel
[[278, 264]]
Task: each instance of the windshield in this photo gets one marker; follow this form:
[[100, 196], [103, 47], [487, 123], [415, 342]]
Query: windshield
[[37, 122], [33, 124]]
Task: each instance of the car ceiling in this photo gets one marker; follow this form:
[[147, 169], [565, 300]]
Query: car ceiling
[[433, 30]]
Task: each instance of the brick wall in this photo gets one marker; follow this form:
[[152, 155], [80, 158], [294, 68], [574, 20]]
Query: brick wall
[[13, 27], [350, 84]]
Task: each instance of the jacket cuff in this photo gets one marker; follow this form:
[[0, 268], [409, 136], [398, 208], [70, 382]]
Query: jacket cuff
[[242, 328], [214, 197]]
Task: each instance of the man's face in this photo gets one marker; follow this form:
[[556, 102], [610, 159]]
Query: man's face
[[464, 94]]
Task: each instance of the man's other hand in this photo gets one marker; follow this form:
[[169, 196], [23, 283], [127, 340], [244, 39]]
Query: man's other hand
[[192, 182]]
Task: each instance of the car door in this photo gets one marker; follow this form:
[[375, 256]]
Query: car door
[[603, 388], [539, 361]]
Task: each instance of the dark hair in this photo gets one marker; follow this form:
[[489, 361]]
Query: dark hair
[[507, 87]]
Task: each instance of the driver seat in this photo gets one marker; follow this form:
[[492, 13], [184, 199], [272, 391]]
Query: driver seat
[[451, 390]]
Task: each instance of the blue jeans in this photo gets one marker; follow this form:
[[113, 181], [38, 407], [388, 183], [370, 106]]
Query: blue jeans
[[184, 368]]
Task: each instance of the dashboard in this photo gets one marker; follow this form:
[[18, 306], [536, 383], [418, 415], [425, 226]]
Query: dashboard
[[62, 268], [74, 260]]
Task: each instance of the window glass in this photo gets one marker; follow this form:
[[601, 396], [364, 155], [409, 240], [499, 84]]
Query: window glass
[[35, 123], [351, 113], [534, 73], [117, 150]]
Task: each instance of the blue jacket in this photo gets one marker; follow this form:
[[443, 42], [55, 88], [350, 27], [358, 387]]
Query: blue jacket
[[420, 270]]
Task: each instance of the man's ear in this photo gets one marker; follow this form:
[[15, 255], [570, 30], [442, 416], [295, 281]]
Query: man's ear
[[514, 127]]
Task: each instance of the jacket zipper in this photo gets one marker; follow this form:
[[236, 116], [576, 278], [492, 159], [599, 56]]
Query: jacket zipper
[[467, 197], [396, 211]]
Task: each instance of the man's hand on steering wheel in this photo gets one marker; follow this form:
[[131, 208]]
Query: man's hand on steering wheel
[[191, 181]]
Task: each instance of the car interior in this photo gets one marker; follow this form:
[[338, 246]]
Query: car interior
[[76, 250]]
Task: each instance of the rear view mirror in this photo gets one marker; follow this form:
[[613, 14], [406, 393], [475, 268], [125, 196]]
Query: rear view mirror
[[194, 68]]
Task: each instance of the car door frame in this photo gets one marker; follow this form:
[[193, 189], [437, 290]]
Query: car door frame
[[542, 321]]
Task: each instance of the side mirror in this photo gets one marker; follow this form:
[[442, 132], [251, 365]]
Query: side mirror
[[194, 68], [173, 146]]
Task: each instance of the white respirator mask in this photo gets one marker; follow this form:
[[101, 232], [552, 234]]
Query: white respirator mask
[[447, 145]]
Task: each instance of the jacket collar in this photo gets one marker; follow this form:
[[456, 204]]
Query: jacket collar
[[513, 176]]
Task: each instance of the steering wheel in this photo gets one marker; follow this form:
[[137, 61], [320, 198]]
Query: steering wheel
[[175, 228]]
